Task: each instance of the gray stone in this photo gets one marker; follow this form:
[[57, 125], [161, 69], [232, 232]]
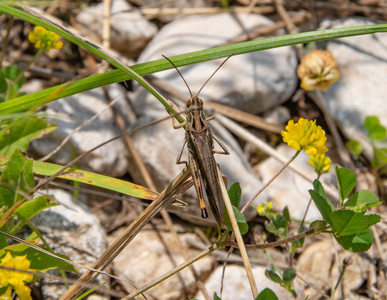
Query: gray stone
[[146, 258], [362, 61], [321, 262], [252, 82], [74, 232], [130, 31], [179, 4], [74, 111]]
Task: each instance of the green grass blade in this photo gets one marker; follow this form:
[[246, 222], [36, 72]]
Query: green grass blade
[[110, 183], [151, 67]]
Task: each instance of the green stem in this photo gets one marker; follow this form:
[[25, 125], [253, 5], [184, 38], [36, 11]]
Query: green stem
[[5, 41], [28, 65], [309, 203], [338, 281]]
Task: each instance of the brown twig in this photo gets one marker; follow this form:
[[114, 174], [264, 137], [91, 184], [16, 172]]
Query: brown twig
[[273, 244]]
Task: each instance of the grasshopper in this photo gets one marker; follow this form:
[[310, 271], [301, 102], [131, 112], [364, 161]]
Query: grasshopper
[[200, 144]]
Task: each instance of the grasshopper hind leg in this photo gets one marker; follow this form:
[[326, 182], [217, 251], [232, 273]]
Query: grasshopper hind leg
[[197, 183]]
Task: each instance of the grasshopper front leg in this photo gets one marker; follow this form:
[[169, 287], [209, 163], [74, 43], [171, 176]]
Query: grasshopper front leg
[[175, 124]]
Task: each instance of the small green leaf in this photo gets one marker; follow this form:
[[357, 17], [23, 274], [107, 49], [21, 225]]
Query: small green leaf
[[39, 260], [378, 133], [370, 122], [318, 226], [267, 294], [31, 208], [365, 197], [17, 175], [235, 193], [11, 72], [372, 219], [319, 188], [88, 292], [355, 147], [380, 157], [273, 276], [375, 130], [294, 245], [359, 242], [11, 90], [241, 220], [286, 214], [278, 225], [346, 181], [44, 262], [20, 247], [20, 132], [216, 297], [289, 274], [348, 222], [323, 204]]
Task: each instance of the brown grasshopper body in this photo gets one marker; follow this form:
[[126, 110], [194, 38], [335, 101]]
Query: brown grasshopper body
[[201, 161]]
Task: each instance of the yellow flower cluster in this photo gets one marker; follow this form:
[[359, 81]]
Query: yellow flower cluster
[[305, 135], [318, 70], [14, 279], [265, 208], [44, 39], [321, 163]]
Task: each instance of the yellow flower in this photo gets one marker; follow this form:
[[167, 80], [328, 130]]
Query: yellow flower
[[44, 39], [7, 295], [15, 279], [318, 70], [265, 208], [305, 135], [320, 163]]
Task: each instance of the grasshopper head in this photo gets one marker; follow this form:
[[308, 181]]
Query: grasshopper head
[[195, 103]]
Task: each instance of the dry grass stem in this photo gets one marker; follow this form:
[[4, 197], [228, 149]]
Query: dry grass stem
[[238, 237]]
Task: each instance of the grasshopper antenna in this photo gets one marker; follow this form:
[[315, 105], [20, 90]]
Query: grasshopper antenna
[[186, 84], [214, 73]]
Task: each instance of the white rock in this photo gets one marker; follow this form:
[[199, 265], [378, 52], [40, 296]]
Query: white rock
[[74, 232], [236, 284], [130, 31], [146, 258], [362, 61], [321, 263], [252, 82], [179, 4], [75, 110]]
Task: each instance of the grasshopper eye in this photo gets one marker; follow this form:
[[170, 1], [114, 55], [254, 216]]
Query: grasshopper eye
[[200, 101], [189, 102]]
